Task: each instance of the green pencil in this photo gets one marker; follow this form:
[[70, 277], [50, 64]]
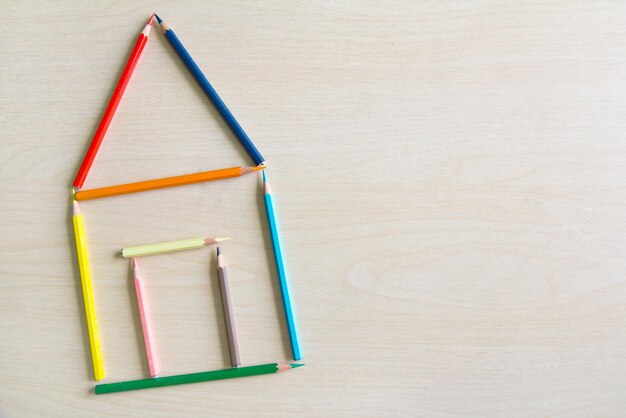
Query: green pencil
[[181, 379]]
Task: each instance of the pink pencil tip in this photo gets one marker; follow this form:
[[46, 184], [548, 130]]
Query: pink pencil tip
[[136, 271]]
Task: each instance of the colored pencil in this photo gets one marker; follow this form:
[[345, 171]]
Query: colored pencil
[[227, 305], [211, 93], [96, 141], [281, 269], [142, 186], [146, 327], [88, 300], [169, 246], [194, 377]]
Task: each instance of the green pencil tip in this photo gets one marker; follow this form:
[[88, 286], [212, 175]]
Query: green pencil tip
[[294, 365]]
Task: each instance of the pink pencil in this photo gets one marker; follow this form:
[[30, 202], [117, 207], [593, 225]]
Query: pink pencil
[[145, 322]]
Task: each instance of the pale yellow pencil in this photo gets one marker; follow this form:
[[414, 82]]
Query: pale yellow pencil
[[170, 246], [85, 280]]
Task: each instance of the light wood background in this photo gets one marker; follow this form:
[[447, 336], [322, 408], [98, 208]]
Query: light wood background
[[451, 181]]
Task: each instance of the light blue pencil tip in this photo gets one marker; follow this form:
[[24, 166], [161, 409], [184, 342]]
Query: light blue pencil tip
[[264, 176]]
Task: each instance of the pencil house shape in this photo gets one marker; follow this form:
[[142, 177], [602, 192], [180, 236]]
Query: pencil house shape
[[79, 194], [122, 83]]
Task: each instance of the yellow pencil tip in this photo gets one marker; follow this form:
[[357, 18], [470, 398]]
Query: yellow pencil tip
[[75, 208]]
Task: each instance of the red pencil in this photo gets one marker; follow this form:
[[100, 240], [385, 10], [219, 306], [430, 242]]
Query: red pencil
[[115, 100]]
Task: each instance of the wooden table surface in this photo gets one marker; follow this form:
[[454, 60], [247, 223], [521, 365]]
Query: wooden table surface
[[450, 179]]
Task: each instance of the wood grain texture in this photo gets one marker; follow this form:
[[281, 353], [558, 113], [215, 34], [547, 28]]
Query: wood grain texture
[[451, 180]]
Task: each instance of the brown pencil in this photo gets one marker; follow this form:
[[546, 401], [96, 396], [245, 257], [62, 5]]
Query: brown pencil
[[227, 305]]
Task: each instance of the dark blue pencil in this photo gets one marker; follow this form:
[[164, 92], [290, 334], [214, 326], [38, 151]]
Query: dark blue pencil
[[211, 93]]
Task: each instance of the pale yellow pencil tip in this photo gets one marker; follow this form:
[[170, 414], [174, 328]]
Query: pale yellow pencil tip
[[221, 239]]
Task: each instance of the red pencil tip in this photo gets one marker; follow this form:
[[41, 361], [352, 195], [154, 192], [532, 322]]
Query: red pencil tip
[[151, 18]]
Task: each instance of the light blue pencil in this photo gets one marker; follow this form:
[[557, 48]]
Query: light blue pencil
[[282, 271]]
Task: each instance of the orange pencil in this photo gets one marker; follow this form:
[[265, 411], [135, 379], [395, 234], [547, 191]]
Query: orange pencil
[[165, 182]]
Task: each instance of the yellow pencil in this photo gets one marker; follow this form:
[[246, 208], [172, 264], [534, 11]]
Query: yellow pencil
[[85, 280], [170, 246]]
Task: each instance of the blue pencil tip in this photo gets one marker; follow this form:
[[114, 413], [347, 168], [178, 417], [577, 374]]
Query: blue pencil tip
[[158, 18]]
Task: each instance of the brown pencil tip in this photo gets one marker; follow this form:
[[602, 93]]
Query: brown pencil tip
[[221, 263]]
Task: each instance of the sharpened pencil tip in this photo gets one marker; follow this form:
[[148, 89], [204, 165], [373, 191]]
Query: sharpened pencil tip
[[294, 365], [267, 189], [158, 18], [134, 260], [221, 263], [211, 241], [75, 208]]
